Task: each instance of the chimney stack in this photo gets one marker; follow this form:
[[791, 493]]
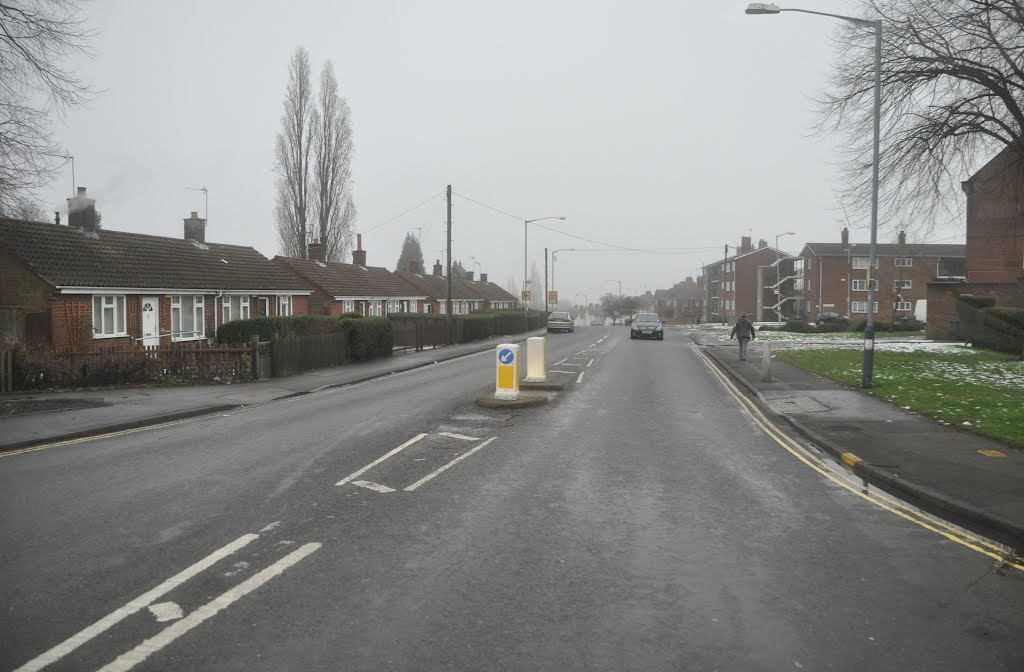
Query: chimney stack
[[56, 218], [483, 277], [82, 212], [469, 275], [438, 269], [195, 228], [414, 265], [315, 251], [745, 245], [359, 254], [846, 237], [762, 244], [903, 238]]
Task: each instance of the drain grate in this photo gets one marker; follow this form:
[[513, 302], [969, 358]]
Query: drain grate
[[793, 405]]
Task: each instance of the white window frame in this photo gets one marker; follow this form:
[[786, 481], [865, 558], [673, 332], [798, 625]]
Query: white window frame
[[903, 305], [197, 306], [902, 284], [284, 305], [229, 303], [858, 285], [346, 307], [862, 307], [115, 304], [861, 262], [904, 262]]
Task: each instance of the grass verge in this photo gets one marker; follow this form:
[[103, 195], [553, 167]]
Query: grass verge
[[976, 390]]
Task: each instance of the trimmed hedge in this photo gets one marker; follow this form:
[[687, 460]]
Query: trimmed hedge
[[799, 327], [369, 337], [268, 328], [830, 327], [988, 326]]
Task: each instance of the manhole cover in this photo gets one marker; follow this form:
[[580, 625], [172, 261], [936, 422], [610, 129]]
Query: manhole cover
[[792, 405]]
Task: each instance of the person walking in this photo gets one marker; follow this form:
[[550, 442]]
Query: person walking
[[743, 331]]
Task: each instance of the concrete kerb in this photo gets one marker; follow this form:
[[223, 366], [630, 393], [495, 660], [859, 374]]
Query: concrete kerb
[[120, 426], [154, 420], [525, 400], [950, 508]]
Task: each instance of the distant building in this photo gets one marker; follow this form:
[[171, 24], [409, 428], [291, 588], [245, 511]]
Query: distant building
[[745, 283]]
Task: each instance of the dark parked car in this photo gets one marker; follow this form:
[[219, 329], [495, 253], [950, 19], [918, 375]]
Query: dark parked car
[[825, 318], [647, 325], [560, 321]]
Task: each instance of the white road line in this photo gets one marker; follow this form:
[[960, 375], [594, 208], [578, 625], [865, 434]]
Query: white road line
[[557, 371], [373, 464], [271, 526], [590, 363], [561, 362], [139, 603], [460, 436], [580, 379], [376, 487], [448, 466], [602, 340], [593, 345], [127, 661]]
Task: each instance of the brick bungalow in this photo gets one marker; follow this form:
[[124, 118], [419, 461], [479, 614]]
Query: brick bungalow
[[82, 288], [353, 288], [466, 297], [835, 275], [995, 243]]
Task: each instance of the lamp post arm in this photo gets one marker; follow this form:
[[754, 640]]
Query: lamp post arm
[[851, 19]]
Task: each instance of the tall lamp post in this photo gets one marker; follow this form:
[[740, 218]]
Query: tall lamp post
[[869, 332], [526, 232], [778, 276], [553, 260]]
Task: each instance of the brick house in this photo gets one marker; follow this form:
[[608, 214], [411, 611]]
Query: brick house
[[466, 294], [82, 288], [353, 288], [835, 275], [742, 283], [682, 303], [995, 243]]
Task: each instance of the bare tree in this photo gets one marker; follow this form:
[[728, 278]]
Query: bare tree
[[333, 168], [952, 97], [26, 210], [36, 37], [292, 153]]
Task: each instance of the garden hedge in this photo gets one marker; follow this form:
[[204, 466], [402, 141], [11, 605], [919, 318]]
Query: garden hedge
[[268, 328], [368, 337]]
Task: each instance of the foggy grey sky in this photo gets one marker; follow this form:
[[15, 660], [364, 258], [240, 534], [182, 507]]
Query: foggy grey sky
[[676, 124]]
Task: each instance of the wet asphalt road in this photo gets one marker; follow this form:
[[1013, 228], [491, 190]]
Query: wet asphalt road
[[641, 521]]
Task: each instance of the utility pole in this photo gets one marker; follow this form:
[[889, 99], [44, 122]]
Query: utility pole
[[547, 304], [448, 298]]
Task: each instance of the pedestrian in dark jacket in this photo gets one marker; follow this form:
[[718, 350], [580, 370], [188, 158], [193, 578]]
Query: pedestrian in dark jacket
[[744, 332]]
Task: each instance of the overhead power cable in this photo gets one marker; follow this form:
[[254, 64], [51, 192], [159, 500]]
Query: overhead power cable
[[403, 213]]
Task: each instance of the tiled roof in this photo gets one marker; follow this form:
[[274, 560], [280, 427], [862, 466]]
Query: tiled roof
[[352, 280], [888, 250], [67, 257], [437, 286], [491, 291]]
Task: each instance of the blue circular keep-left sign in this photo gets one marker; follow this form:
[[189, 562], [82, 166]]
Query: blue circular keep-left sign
[[506, 356]]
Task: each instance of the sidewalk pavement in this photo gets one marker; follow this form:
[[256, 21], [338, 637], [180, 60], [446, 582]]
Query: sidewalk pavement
[[118, 409], [937, 468]]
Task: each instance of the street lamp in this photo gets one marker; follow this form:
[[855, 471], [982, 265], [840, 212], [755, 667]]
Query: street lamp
[[778, 276], [526, 231], [554, 259], [869, 331]]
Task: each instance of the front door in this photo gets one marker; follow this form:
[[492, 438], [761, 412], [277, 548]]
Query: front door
[[151, 322]]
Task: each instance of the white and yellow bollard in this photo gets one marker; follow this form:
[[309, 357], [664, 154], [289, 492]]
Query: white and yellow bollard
[[507, 372], [536, 360]]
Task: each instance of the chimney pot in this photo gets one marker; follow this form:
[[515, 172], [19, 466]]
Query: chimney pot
[[82, 212], [745, 245], [359, 254], [438, 269], [846, 237], [81, 191], [762, 244], [195, 228], [483, 277], [903, 238]]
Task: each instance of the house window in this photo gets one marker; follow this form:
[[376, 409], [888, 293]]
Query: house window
[[108, 316], [347, 306], [187, 317], [263, 306], [859, 286], [428, 308], [903, 305], [862, 307], [862, 262], [904, 262], [284, 306], [236, 308], [902, 284]]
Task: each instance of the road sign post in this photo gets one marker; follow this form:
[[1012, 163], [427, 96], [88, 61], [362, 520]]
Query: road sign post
[[507, 372], [525, 296], [553, 298]]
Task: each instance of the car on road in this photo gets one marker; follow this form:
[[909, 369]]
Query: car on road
[[596, 323], [647, 325], [560, 321], [826, 318]]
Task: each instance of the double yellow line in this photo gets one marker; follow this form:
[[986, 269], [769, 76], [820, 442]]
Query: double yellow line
[[938, 526]]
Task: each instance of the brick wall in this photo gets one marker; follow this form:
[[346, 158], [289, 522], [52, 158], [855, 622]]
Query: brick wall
[[995, 221], [942, 303]]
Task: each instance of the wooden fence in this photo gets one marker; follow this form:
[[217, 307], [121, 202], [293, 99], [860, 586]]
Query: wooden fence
[[304, 353]]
